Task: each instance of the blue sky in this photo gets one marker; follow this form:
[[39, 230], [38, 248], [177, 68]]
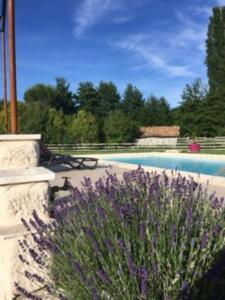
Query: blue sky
[[158, 45]]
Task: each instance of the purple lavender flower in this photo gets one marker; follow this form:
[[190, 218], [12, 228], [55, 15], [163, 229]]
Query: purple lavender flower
[[215, 203], [109, 246], [185, 285], [103, 276], [101, 212], [62, 297], [25, 293], [25, 224], [144, 281], [95, 294], [122, 245], [39, 222], [155, 268], [35, 276], [143, 231], [131, 266], [221, 201], [95, 244], [23, 260], [107, 224], [77, 267], [217, 229], [204, 240]]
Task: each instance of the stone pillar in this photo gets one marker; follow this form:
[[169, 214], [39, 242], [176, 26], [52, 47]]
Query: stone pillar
[[23, 187]]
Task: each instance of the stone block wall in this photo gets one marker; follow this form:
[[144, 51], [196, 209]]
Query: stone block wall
[[24, 187], [152, 141]]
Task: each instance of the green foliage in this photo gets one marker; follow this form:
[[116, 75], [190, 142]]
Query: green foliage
[[215, 114], [84, 128], [37, 118], [156, 112], [63, 97], [191, 115], [86, 97], [108, 99], [133, 103], [119, 128], [32, 117], [58, 97], [55, 127], [2, 122], [215, 59], [142, 236], [41, 93]]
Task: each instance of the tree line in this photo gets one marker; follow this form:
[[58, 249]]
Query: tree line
[[101, 114]]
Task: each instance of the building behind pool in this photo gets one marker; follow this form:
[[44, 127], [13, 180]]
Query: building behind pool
[[159, 135]]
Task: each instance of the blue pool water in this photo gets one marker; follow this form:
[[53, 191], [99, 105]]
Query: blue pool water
[[203, 166]]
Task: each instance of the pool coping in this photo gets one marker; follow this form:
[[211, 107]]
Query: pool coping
[[201, 178]]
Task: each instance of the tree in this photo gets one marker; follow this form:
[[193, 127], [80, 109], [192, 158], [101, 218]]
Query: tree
[[133, 102], [120, 128], [58, 96], [32, 117], [191, 114], [84, 128], [63, 97], [156, 112], [215, 59], [55, 127], [108, 99], [212, 120], [2, 117], [86, 97], [2, 122], [41, 93]]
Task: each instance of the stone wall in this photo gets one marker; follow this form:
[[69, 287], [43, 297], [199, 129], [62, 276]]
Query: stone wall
[[24, 187], [151, 141]]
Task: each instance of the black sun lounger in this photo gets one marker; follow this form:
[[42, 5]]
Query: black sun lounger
[[49, 158]]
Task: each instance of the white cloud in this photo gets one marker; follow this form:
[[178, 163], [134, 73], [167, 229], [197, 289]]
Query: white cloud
[[91, 12], [177, 52], [139, 46], [189, 37], [88, 14], [191, 33]]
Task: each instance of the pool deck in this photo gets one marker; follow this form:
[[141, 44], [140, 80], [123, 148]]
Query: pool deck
[[76, 176]]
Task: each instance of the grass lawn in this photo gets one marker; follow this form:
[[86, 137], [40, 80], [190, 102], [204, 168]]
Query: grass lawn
[[88, 153], [213, 151]]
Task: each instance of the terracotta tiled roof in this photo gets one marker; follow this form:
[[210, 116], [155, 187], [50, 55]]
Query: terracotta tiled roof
[[160, 131]]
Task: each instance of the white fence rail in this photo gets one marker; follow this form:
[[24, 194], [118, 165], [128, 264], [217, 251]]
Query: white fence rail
[[217, 143]]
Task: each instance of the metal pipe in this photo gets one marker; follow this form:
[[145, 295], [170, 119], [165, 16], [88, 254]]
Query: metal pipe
[[5, 83], [4, 6], [12, 61]]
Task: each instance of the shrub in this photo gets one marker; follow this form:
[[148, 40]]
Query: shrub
[[144, 236], [83, 128], [119, 128]]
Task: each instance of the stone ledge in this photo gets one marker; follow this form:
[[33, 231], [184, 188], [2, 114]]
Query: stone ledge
[[18, 154], [20, 137], [15, 176]]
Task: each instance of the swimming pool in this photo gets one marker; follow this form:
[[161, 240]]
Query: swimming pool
[[194, 165]]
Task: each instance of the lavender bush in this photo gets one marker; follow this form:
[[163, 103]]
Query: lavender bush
[[140, 237]]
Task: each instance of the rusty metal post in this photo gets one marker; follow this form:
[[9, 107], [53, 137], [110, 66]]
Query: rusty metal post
[[12, 61], [5, 82]]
